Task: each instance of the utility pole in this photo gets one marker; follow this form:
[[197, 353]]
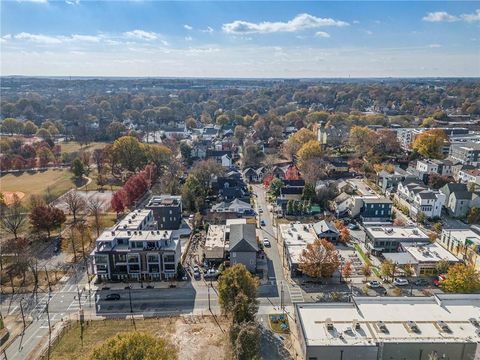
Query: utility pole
[[208, 291], [48, 280], [281, 295], [78, 296], [23, 315], [49, 329]]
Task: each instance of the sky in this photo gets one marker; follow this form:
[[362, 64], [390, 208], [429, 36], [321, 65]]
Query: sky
[[242, 39]]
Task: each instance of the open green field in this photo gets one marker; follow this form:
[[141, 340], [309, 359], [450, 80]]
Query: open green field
[[36, 183], [72, 146]]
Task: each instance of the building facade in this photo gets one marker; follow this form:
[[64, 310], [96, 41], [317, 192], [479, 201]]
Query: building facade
[[167, 210]]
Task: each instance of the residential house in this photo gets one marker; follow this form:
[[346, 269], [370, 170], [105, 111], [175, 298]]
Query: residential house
[[449, 188], [371, 208], [426, 167], [167, 210], [331, 136], [470, 176], [326, 230], [254, 175], [243, 246], [222, 157], [237, 207], [389, 182], [340, 205], [460, 202], [418, 198]]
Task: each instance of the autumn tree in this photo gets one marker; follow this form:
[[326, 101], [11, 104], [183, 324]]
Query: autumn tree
[[295, 142], [275, 186], [344, 235], [388, 268], [252, 155], [95, 209], [119, 199], [129, 152], [461, 278], [319, 259], [135, 345], [362, 139], [13, 217], [430, 143], [76, 204], [347, 270], [237, 291], [245, 339], [436, 181], [46, 218], [442, 266], [193, 194], [473, 215], [366, 271], [309, 151]]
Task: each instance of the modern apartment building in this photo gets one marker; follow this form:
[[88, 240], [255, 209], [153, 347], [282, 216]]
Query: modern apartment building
[[167, 210], [134, 249], [466, 153], [391, 328]]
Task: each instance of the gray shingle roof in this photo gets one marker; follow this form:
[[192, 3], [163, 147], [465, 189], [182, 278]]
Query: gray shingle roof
[[324, 226], [243, 238]]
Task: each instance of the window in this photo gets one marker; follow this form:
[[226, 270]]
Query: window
[[170, 212], [153, 258], [101, 259], [169, 258], [153, 268], [234, 254], [169, 267], [121, 257]]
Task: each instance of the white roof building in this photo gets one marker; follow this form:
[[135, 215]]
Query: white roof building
[[391, 328]]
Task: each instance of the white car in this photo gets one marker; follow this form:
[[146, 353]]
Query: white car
[[400, 282], [373, 284], [266, 242], [260, 210]]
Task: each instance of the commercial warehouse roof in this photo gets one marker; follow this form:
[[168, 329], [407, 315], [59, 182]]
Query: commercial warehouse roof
[[440, 318]]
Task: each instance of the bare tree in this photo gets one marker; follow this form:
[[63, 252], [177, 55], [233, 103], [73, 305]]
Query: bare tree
[[13, 217], [95, 209], [76, 204]]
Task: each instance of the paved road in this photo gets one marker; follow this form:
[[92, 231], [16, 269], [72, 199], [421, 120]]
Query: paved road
[[278, 284]]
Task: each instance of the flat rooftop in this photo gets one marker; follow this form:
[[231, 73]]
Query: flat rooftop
[[396, 315], [215, 242], [428, 252], [396, 232], [164, 200], [463, 235], [296, 238], [134, 220]]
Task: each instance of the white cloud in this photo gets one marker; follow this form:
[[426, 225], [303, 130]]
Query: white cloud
[[141, 35], [164, 42], [439, 16], [85, 38], [369, 32], [38, 38], [322, 34], [472, 17], [72, 2], [434, 46], [207, 30], [298, 23], [188, 27], [188, 38]]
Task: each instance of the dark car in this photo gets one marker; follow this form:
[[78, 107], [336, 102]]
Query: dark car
[[149, 286], [420, 282], [112, 297], [105, 288], [262, 222]]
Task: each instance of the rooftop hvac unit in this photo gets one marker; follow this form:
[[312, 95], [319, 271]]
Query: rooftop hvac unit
[[129, 221], [356, 324], [412, 326], [329, 324], [113, 232], [415, 231], [382, 327], [474, 322], [443, 326]]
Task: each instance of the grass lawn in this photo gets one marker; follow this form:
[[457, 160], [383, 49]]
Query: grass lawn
[[276, 323], [72, 146], [366, 259], [36, 183]]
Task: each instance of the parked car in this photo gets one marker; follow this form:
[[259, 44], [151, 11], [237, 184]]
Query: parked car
[[260, 210], [110, 297], [420, 282], [400, 282], [128, 287], [262, 222], [353, 226], [373, 284], [266, 242], [211, 274], [105, 288], [149, 286], [56, 249], [439, 279]]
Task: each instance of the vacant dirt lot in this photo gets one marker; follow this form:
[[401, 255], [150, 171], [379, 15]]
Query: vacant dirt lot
[[199, 338]]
